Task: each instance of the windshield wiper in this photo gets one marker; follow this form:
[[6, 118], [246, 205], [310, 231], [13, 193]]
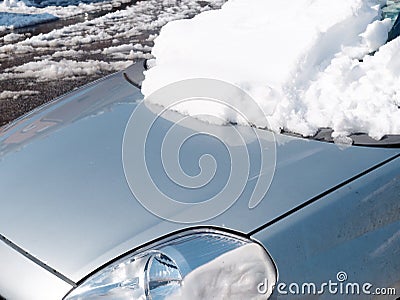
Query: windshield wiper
[[360, 139]]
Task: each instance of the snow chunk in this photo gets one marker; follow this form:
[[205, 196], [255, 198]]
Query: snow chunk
[[68, 53], [303, 69], [117, 49], [376, 34], [12, 37]]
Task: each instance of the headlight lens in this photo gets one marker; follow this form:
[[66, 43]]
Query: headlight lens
[[196, 264]]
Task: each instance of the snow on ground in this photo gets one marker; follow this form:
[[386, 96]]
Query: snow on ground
[[307, 67], [54, 61], [12, 37], [15, 95], [108, 31]]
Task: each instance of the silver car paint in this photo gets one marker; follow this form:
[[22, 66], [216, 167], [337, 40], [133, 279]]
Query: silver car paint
[[21, 278], [65, 199], [355, 230]]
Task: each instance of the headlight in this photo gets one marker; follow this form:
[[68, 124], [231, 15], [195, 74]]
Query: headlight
[[196, 264]]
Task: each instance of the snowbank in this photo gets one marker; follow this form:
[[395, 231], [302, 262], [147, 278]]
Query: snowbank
[[304, 62]]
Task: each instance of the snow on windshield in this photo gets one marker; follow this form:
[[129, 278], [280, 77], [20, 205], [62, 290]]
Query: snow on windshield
[[311, 65]]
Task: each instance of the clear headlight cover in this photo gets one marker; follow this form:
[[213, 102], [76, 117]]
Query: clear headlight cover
[[196, 264]]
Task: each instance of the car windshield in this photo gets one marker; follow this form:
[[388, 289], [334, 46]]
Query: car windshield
[[391, 10]]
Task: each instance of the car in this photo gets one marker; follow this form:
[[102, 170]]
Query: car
[[107, 196], [73, 227]]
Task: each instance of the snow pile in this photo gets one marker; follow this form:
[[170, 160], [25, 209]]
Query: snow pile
[[307, 66], [233, 275]]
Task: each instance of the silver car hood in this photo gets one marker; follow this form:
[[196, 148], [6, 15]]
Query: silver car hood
[[66, 201]]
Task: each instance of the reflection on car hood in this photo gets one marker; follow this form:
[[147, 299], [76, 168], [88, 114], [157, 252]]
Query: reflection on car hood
[[65, 198]]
